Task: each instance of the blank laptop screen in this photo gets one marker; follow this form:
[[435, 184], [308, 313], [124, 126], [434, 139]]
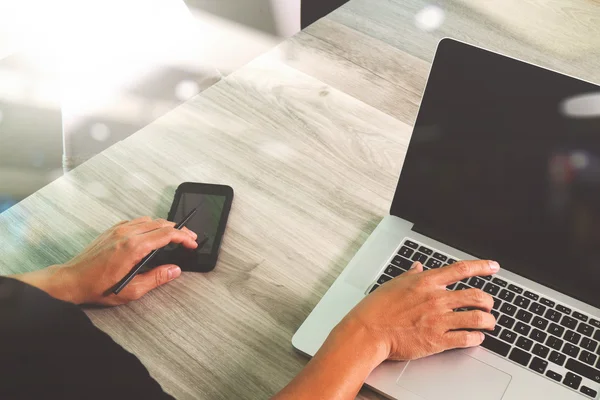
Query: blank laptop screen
[[504, 163]]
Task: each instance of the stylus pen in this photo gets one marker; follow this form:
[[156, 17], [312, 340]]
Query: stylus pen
[[149, 257]]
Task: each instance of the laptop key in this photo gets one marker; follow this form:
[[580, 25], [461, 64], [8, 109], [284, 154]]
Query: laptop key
[[439, 256], [522, 302], [589, 392], [451, 261], [500, 282], [557, 358], [570, 350], [580, 316], [597, 335], [554, 342], [538, 335], [537, 308], [553, 375], [497, 303], [520, 356], [496, 314], [563, 309], [531, 295], [373, 288], [587, 357], [411, 244], [515, 288], [462, 286], [584, 370], [572, 380], [405, 252], [383, 279], [522, 328], [556, 330], [568, 322], [553, 315], [433, 263], [506, 295], [595, 322], [546, 302], [506, 321], [491, 289], [508, 336], [419, 257], [495, 345], [572, 337], [524, 316], [540, 323], [540, 350], [393, 271], [451, 287], [524, 343], [508, 309], [476, 282], [487, 277], [588, 344], [425, 250], [402, 262], [585, 329], [495, 332], [538, 365]]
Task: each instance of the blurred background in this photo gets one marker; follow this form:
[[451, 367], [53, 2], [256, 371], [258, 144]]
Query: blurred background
[[77, 77]]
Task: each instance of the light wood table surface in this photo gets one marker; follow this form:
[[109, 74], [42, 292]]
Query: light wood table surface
[[311, 136]]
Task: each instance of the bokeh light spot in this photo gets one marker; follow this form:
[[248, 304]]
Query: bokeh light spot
[[186, 89], [430, 18], [579, 160], [100, 132]]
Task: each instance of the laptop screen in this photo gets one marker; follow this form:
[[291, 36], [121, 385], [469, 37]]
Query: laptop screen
[[504, 163]]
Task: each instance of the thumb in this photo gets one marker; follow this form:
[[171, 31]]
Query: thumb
[[158, 276], [414, 269]]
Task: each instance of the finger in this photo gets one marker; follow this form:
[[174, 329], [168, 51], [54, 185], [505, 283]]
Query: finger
[[465, 269], [143, 283], [475, 319], [470, 298], [151, 225], [414, 269], [161, 237], [462, 339], [190, 232], [140, 220]]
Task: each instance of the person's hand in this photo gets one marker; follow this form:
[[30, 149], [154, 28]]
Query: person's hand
[[412, 315], [89, 277]]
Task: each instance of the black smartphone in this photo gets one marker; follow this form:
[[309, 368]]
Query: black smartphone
[[209, 222]]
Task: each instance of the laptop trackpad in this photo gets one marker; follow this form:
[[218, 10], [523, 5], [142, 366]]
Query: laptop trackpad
[[454, 376]]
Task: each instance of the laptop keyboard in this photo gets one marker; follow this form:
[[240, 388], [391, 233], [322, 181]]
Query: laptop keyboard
[[535, 332]]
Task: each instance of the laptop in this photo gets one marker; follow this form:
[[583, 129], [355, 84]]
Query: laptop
[[503, 164]]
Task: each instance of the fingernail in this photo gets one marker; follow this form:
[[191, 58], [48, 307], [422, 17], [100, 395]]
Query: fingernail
[[494, 266], [482, 336], [413, 266], [173, 273]]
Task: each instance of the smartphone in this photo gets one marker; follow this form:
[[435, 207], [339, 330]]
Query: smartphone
[[209, 222]]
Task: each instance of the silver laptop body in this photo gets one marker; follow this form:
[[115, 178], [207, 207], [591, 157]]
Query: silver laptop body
[[519, 361]]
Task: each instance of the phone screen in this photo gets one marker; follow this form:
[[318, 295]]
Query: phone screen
[[206, 220]]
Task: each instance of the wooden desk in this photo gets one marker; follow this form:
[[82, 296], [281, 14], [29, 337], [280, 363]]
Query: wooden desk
[[311, 136]]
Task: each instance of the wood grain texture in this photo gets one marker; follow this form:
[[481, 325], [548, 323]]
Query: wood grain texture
[[311, 136]]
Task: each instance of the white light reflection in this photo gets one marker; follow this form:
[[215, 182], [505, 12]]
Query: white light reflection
[[579, 160], [430, 18], [186, 89], [100, 132], [582, 106]]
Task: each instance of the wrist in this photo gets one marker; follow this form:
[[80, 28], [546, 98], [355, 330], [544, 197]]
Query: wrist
[[357, 336]]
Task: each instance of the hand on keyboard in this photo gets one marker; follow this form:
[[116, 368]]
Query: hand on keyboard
[[412, 316]]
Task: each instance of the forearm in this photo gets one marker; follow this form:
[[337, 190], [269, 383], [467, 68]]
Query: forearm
[[339, 368], [52, 280]]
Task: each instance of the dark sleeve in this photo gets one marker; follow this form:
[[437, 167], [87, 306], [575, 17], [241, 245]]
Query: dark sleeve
[[49, 349]]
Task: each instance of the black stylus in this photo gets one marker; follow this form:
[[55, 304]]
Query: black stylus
[[149, 257]]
